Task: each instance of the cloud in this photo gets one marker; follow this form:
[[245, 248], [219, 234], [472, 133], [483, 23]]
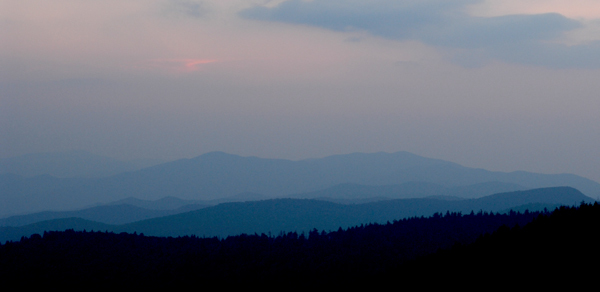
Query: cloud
[[526, 39], [478, 32], [388, 18]]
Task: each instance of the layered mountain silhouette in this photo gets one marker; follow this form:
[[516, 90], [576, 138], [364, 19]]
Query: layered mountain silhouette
[[302, 215], [217, 175], [131, 209]]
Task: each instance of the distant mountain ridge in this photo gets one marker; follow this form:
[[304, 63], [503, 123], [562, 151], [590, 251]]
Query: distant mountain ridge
[[166, 203], [217, 175]]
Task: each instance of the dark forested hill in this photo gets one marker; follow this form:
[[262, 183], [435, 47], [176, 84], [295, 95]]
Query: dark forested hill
[[522, 249], [561, 246], [112, 258]]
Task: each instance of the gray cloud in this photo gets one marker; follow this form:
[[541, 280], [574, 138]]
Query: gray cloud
[[513, 38], [392, 19], [478, 32]]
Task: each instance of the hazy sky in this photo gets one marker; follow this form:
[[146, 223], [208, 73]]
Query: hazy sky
[[499, 84]]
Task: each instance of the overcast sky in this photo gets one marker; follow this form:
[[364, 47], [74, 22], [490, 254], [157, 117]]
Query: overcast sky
[[499, 84]]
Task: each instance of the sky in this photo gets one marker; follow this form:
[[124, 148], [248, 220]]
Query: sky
[[497, 84]]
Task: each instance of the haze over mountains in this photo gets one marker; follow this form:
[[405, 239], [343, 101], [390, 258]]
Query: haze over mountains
[[354, 193], [70, 164], [217, 176]]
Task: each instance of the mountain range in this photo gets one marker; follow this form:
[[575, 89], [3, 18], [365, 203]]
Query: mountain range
[[217, 176]]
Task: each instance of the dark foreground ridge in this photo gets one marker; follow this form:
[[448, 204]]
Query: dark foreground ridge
[[344, 256], [556, 248]]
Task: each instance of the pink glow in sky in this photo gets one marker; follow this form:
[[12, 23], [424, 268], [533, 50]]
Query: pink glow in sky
[[180, 65]]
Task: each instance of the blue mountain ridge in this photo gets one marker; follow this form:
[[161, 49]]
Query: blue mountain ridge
[[301, 215]]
